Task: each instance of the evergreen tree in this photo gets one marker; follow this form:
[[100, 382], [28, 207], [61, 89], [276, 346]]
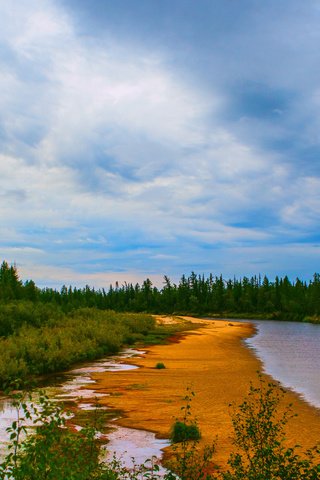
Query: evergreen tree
[[10, 284]]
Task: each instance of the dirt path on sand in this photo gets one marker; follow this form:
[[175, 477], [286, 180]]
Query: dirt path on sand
[[214, 362]]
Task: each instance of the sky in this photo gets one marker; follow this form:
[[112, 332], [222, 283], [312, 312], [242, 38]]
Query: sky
[[143, 138]]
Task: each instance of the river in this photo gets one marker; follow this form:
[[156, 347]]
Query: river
[[290, 352]]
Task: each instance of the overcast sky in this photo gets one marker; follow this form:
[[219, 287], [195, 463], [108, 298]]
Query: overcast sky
[[147, 137]]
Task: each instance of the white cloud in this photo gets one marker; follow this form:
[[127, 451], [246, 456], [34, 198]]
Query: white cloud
[[43, 195], [46, 275], [303, 211], [84, 94], [105, 139]]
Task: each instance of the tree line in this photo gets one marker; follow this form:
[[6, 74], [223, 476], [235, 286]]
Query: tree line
[[194, 294], [39, 336]]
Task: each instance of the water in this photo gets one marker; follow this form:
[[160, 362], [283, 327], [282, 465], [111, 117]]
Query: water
[[74, 380], [137, 444], [68, 387], [290, 352]]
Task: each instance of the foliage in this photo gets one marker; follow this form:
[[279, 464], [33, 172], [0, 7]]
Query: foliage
[[10, 284], [61, 339], [46, 330], [52, 451], [186, 428], [43, 448], [259, 436], [182, 432], [160, 366], [188, 462], [253, 297]]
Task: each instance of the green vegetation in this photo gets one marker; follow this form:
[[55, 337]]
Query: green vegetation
[[160, 366], [42, 448], [54, 452], [185, 429], [42, 338], [188, 462], [183, 432], [259, 438], [43, 331], [254, 297]]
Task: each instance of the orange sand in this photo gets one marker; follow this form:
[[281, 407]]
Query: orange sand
[[218, 367]]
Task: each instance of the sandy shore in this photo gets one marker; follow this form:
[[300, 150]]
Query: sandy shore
[[212, 361]]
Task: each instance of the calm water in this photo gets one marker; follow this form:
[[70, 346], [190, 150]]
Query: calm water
[[124, 442], [290, 352], [67, 387]]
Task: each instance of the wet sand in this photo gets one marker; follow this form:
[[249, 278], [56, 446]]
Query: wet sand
[[215, 364]]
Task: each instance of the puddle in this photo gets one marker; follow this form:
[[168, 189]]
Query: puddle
[[128, 443], [72, 388], [90, 406], [124, 442], [68, 386], [8, 414]]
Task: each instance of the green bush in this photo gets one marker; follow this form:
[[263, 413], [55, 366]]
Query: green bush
[[160, 366], [55, 341], [181, 432], [185, 429], [259, 438], [53, 452]]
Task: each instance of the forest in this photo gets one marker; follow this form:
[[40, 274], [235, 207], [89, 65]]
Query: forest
[[39, 335], [44, 330], [255, 297]]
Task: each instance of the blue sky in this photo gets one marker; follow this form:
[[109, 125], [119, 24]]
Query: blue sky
[[147, 137]]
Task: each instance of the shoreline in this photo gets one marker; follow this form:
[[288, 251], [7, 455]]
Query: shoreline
[[212, 361]]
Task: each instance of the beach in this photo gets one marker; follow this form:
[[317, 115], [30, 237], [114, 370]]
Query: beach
[[212, 361]]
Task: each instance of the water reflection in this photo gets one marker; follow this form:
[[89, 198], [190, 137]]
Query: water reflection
[[290, 352], [137, 444], [68, 387]]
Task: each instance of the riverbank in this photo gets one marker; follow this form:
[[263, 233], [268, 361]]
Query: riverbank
[[213, 361]]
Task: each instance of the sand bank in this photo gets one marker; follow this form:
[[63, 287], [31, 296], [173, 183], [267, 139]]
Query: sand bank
[[213, 361]]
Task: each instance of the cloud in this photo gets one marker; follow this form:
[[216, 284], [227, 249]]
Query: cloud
[[304, 210], [85, 95], [47, 275], [112, 159]]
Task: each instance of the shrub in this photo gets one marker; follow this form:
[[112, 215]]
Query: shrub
[[186, 428], [52, 452], [189, 461], [55, 342], [160, 366], [259, 437], [181, 432]]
